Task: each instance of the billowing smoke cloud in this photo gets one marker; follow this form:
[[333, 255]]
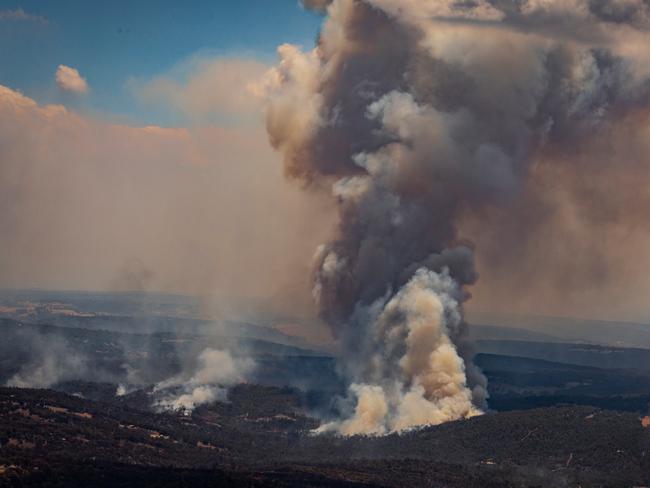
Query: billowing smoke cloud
[[216, 370], [424, 116], [415, 373]]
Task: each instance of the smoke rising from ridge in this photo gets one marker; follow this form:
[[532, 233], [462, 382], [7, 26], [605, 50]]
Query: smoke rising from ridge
[[215, 371], [51, 361], [428, 118]]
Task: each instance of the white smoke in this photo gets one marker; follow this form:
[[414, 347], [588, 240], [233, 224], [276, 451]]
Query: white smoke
[[415, 374], [51, 361], [196, 396], [215, 372]]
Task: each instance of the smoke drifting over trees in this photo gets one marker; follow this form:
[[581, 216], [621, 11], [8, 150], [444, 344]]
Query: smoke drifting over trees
[[435, 121], [506, 137], [215, 371], [51, 361]]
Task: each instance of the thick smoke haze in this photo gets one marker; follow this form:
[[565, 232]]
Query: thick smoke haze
[[88, 204], [439, 121], [592, 230], [426, 157]]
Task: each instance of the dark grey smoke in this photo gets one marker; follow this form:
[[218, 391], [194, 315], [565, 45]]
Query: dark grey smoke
[[423, 114]]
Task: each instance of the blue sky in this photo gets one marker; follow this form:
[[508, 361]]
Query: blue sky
[[113, 42]]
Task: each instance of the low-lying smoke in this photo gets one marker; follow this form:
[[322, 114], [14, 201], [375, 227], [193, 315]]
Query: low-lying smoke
[[216, 370], [423, 116], [50, 361]]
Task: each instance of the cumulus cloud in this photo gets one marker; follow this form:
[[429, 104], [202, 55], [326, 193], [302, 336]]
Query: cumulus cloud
[[19, 14], [70, 80]]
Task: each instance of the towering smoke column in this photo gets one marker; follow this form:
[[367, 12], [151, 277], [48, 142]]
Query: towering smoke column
[[417, 113]]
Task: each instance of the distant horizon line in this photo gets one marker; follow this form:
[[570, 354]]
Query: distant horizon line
[[474, 315]]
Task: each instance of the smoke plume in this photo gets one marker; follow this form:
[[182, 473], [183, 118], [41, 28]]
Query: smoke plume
[[216, 370], [428, 118], [51, 360]]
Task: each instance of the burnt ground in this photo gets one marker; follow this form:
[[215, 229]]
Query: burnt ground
[[261, 438]]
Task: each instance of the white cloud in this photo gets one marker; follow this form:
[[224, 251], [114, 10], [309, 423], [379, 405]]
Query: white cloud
[[69, 79], [19, 14]]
